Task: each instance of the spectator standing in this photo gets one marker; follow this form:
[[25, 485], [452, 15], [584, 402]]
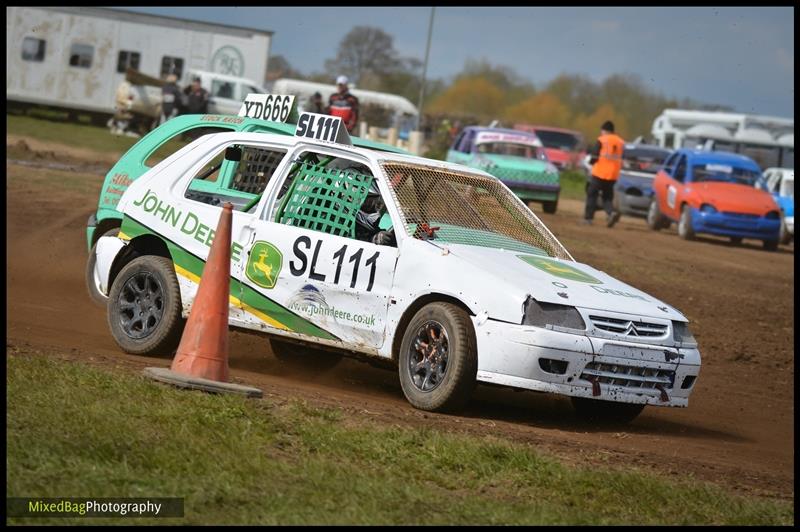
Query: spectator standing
[[606, 160], [344, 105], [196, 98], [170, 99], [315, 104]]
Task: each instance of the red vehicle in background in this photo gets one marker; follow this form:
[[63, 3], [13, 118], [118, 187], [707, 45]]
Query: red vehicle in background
[[564, 147]]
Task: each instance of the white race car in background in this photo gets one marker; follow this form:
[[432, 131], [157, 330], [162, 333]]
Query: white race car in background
[[435, 267]]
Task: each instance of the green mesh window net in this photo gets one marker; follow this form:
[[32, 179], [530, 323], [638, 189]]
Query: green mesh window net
[[324, 199]]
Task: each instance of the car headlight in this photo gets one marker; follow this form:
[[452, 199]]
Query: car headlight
[[681, 333], [773, 215], [708, 208], [541, 314]]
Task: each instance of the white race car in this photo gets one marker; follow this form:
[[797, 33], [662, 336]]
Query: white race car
[[435, 267]]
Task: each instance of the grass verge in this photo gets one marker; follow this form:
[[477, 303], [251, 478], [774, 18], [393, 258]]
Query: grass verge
[[78, 431]]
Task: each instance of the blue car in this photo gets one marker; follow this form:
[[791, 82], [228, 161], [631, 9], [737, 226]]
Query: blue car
[[633, 191], [780, 183], [715, 193]]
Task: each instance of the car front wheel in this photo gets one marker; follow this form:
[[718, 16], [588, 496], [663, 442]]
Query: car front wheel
[[144, 307], [685, 230], [550, 207], [656, 220], [785, 236], [438, 360]]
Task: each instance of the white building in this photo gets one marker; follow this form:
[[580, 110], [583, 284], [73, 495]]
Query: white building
[[768, 140], [76, 57]]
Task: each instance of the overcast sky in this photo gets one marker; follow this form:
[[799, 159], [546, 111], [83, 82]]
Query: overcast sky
[[737, 56]]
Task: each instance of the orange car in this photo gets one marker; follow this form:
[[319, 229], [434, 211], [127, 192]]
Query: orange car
[[714, 192]]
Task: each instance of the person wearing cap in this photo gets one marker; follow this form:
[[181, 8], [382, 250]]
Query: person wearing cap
[[606, 160], [344, 105], [196, 98], [170, 98]]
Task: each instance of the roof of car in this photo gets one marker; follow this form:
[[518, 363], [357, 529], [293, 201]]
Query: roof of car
[[551, 128], [280, 128], [501, 130], [650, 147], [724, 157]]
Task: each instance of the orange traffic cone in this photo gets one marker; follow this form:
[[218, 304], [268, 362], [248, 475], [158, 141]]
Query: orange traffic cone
[[202, 358]]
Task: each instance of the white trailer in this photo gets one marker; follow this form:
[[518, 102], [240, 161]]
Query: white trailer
[[76, 57], [769, 140]]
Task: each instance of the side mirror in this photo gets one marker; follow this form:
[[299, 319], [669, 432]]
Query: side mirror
[[233, 153]]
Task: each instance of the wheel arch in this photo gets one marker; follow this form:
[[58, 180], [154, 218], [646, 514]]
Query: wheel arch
[[413, 308], [139, 246]]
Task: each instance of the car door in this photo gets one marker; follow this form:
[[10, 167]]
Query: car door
[[234, 172], [673, 187], [306, 274], [662, 180]]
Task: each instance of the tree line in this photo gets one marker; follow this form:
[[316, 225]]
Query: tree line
[[483, 92]]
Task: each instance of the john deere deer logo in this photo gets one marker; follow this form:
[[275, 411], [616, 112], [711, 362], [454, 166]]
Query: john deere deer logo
[[559, 269], [264, 264]]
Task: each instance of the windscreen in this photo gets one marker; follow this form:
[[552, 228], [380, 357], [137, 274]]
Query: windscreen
[[558, 140], [464, 208], [713, 172], [525, 151], [642, 160]]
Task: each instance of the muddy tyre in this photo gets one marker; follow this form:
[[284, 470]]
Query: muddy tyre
[[97, 297], [438, 360], [605, 412], [685, 230], [144, 307], [550, 207], [302, 356], [655, 220]]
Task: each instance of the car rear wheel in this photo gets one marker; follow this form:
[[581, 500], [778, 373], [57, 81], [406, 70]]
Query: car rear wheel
[[685, 230], [550, 207], [610, 412], [438, 361], [656, 220], [299, 355], [785, 236], [771, 245], [97, 297], [144, 307]]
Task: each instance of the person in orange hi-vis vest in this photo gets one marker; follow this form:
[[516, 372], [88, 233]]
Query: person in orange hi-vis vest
[[606, 159], [344, 105]]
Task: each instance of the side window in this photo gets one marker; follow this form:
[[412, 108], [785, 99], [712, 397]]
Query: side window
[[222, 89], [466, 142], [334, 195], [251, 169], [33, 49], [171, 65], [127, 59], [457, 142], [80, 55], [178, 141], [680, 170], [669, 164]]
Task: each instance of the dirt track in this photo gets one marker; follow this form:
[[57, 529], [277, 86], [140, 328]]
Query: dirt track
[[738, 430]]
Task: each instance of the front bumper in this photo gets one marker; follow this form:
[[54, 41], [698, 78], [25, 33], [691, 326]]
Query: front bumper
[[533, 191], [743, 226], [517, 355]]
